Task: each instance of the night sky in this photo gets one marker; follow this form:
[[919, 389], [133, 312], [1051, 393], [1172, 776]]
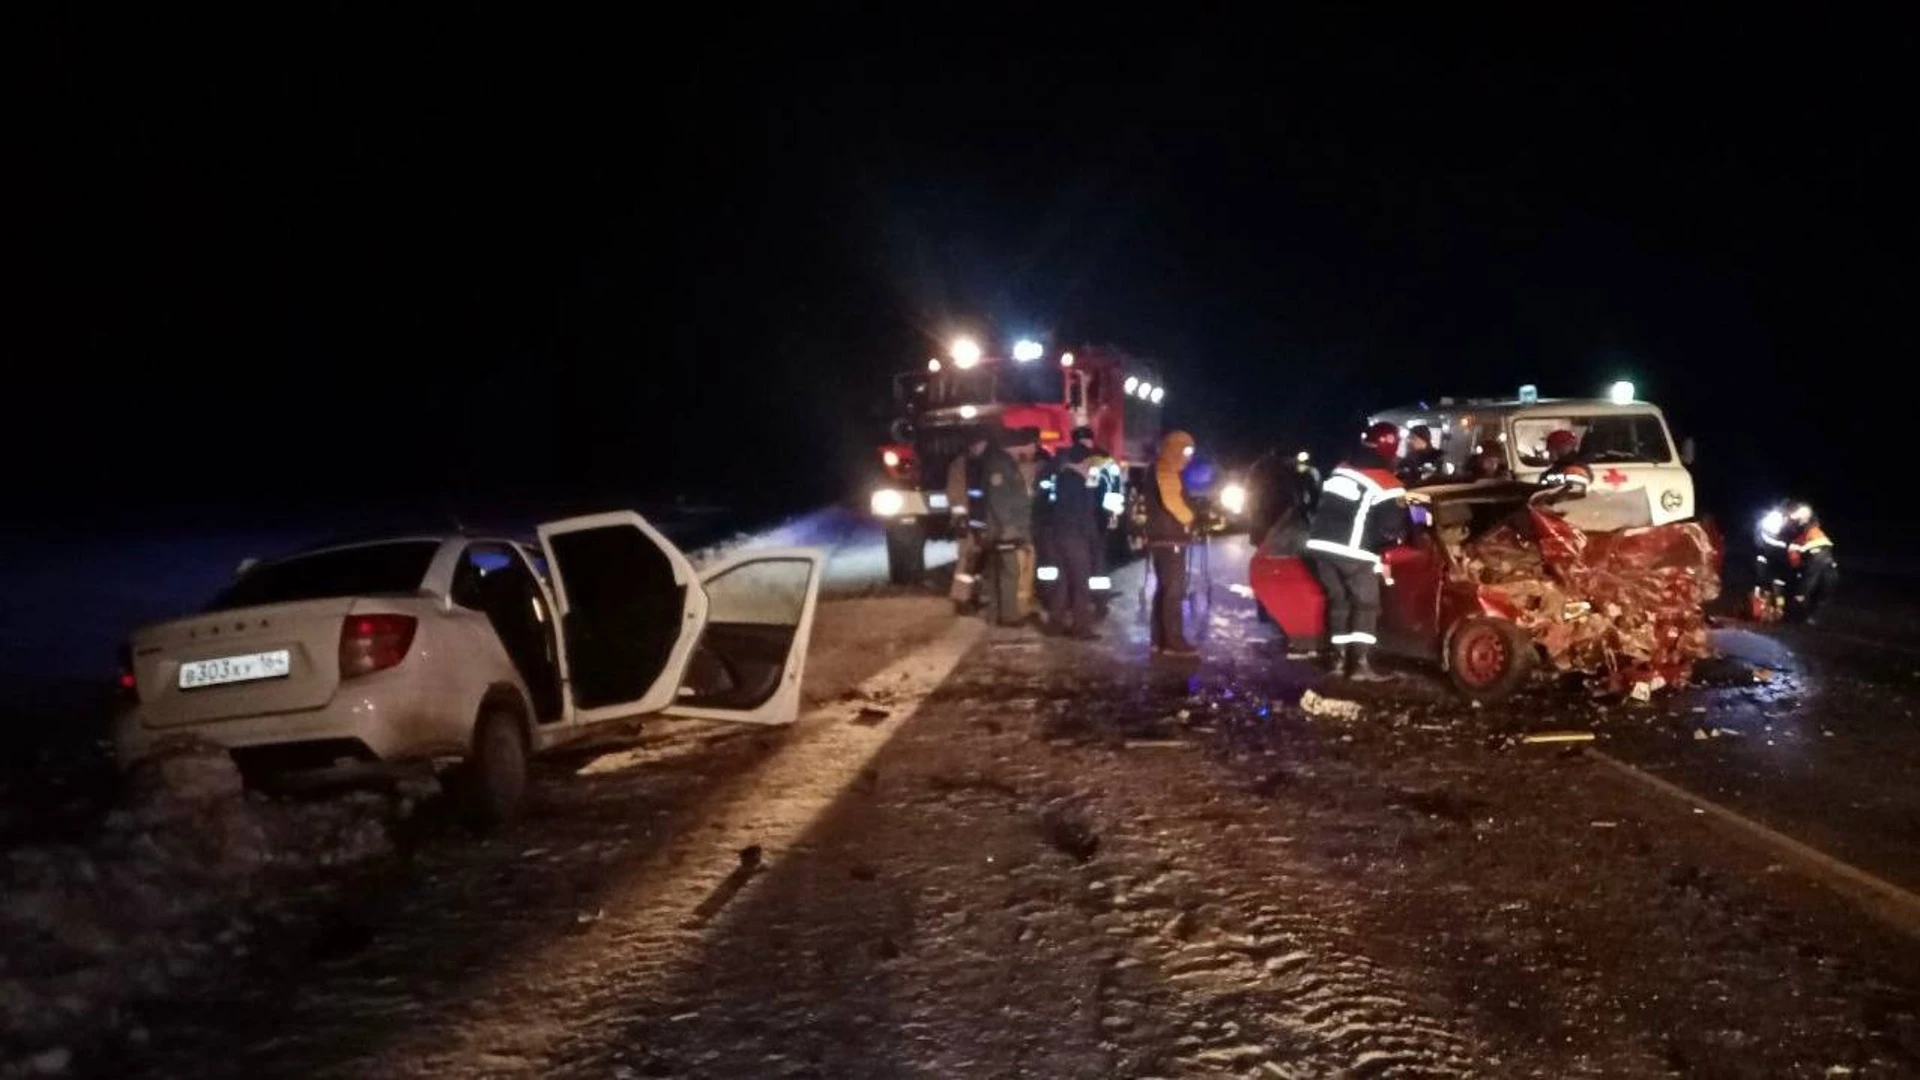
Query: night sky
[[358, 255]]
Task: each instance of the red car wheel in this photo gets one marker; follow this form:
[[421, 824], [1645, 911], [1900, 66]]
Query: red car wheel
[[1489, 658]]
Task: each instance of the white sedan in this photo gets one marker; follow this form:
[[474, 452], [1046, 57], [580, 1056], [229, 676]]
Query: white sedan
[[447, 649]]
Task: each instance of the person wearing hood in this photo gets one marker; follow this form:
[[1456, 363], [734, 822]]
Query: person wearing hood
[[1169, 529]]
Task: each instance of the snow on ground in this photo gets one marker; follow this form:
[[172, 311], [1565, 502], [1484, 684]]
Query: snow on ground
[[1064, 860]]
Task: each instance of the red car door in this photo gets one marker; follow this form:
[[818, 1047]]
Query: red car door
[[1285, 586]]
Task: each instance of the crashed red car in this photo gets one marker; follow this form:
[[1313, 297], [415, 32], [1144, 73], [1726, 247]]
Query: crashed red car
[[1491, 581]]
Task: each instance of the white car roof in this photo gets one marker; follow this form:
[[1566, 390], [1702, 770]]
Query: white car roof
[[1542, 407]]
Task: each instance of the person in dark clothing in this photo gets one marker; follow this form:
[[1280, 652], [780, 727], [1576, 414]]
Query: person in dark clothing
[[1073, 540], [1108, 498], [1424, 463], [1169, 529], [1362, 513], [1009, 528]]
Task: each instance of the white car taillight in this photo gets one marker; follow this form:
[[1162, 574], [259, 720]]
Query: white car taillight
[[370, 643]]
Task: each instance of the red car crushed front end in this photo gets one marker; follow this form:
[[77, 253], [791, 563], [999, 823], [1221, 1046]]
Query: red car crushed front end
[[1621, 607]]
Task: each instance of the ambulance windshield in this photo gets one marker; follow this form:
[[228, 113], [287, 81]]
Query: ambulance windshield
[[1604, 437]]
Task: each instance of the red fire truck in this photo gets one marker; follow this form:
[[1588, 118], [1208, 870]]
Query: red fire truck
[[939, 409]]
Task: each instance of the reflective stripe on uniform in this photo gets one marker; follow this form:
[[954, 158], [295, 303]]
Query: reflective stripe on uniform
[[1347, 551], [1355, 638], [1371, 493]]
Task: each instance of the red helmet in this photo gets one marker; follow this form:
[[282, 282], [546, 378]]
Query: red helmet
[[1384, 438], [1561, 443]]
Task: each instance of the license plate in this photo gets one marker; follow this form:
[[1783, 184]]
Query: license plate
[[277, 664]]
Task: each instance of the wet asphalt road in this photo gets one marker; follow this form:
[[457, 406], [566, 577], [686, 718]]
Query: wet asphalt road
[[1068, 860]]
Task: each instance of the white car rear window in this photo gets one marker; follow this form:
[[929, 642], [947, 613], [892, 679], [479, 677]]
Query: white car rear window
[[366, 570]]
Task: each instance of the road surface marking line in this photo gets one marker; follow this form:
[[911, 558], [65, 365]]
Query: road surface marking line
[[659, 913], [1879, 897]]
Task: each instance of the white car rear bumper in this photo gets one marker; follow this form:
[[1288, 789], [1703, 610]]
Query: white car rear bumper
[[388, 716]]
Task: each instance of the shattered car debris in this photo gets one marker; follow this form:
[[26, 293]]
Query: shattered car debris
[[1492, 579]]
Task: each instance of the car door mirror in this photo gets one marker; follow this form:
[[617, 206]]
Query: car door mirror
[[1686, 451]]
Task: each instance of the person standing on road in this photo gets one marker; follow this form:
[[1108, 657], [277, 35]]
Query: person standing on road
[[1009, 530], [1107, 496], [1810, 561], [969, 515], [1169, 530], [1362, 513], [1074, 540]]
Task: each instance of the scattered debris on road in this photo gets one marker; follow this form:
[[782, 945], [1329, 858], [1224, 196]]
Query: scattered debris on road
[[1558, 737], [1314, 704]]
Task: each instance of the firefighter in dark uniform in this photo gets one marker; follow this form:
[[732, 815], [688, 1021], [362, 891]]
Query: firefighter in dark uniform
[[1107, 497], [1169, 530], [1362, 512], [1073, 542], [1811, 568]]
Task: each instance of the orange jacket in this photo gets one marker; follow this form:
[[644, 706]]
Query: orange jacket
[[1175, 449]]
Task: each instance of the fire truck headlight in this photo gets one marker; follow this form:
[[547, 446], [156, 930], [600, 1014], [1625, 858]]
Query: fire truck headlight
[[887, 502], [1233, 498], [890, 459], [968, 412], [1113, 502], [965, 352]]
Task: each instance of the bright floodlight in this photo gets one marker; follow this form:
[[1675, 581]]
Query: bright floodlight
[[1621, 393], [1145, 390], [1233, 498], [1027, 350], [933, 364], [965, 352], [1132, 382], [1158, 393], [1066, 359]]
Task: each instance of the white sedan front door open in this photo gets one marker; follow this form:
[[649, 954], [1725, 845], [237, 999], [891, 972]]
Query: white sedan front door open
[[752, 656], [631, 609]]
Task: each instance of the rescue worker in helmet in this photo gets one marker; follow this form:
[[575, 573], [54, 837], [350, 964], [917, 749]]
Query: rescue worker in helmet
[[1362, 513], [969, 512], [1169, 530], [1811, 568], [1565, 469], [1424, 463]]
